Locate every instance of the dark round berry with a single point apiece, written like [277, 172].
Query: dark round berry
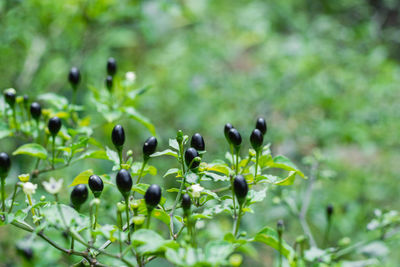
[118, 136]
[227, 128]
[186, 202]
[5, 164]
[36, 110]
[111, 66]
[261, 125]
[198, 142]
[124, 182]
[256, 139]
[96, 185]
[79, 195]
[329, 210]
[190, 154]
[149, 147]
[10, 96]
[235, 137]
[54, 125]
[74, 77]
[240, 187]
[109, 82]
[153, 195]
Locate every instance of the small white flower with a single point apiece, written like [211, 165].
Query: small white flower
[200, 224]
[196, 190]
[24, 177]
[29, 188]
[130, 77]
[53, 186]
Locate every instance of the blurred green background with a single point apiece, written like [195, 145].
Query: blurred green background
[325, 75]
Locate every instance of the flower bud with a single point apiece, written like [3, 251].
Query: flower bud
[179, 136]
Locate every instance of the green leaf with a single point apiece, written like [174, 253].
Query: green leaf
[112, 155]
[217, 252]
[161, 215]
[174, 144]
[140, 188]
[289, 180]
[148, 242]
[32, 149]
[141, 119]
[221, 168]
[257, 196]
[57, 101]
[97, 154]
[82, 178]
[284, 163]
[71, 216]
[168, 152]
[171, 171]
[216, 177]
[270, 237]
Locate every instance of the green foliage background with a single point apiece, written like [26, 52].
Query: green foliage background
[325, 75]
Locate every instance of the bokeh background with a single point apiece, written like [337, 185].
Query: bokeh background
[325, 75]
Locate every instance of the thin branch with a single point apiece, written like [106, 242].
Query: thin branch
[306, 203]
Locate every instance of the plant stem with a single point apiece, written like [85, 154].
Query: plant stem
[171, 215]
[327, 230]
[53, 150]
[38, 131]
[149, 211]
[120, 157]
[13, 197]
[119, 220]
[15, 118]
[3, 194]
[306, 203]
[237, 161]
[127, 218]
[256, 167]
[280, 249]
[32, 209]
[232, 154]
[233, 198]
[141, 171]
[29, 228]
[95, 216]
[237, 221]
